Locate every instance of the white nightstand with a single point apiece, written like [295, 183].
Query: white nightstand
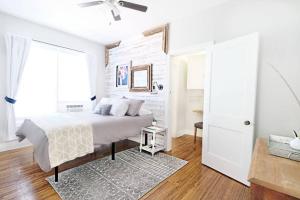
[153, 147]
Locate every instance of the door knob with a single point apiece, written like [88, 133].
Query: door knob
[247, 123]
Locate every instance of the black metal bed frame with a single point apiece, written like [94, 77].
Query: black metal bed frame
[113, 152]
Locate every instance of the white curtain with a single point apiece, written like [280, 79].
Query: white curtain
[91, 61]
[17, 50]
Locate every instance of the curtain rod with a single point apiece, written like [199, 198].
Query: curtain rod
[57, 46]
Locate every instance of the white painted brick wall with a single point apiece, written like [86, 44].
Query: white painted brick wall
[141, 50]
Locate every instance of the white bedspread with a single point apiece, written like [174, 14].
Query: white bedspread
[68, 136]
[106, 129]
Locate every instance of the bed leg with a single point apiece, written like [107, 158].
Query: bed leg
[146, 139]
[56, 174]
[113, 150]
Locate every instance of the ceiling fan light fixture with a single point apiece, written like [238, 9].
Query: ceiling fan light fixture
[112, 5]
[116, 14]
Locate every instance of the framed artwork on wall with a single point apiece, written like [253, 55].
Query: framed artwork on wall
[122, 73]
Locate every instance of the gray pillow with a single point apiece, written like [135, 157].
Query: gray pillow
[103, 109]
[134, 107]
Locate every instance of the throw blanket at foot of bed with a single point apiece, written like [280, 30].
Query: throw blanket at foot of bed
[69, 137]
[70, 142]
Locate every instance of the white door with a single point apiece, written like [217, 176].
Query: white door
[229, 107]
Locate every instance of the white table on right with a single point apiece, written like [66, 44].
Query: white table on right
[153, 147]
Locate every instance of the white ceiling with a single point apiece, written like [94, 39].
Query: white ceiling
[93, 23]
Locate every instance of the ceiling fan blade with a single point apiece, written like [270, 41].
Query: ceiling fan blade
[133, 6]
[88, 4]
[116, 16]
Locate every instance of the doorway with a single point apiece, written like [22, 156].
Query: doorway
[186, 89]
[187, 92]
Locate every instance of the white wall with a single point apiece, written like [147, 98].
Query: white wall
[22, 27]
[195, 72]
[140, 50]
[278, 22]
[178, 100]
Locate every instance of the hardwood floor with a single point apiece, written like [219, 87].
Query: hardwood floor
[21, 178]
[196, 181]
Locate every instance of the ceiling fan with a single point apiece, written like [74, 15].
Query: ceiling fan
[113, 5]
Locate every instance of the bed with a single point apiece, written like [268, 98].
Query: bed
[105, 130]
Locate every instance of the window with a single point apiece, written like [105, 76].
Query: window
[53, 78]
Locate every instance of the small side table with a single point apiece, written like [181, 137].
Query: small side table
[153, 147]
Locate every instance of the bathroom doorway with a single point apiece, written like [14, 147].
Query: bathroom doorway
[186, 85]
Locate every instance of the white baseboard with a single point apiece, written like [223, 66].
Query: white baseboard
[184, 132]
[189, 132]
[14, 144]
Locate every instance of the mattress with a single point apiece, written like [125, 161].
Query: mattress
[106, 129]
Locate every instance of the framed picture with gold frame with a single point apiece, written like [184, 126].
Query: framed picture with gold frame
[141, 78]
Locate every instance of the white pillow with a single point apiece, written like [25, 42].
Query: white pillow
[119, 108]
[97, 108]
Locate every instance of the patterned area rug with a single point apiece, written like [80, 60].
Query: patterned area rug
[130, 176]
